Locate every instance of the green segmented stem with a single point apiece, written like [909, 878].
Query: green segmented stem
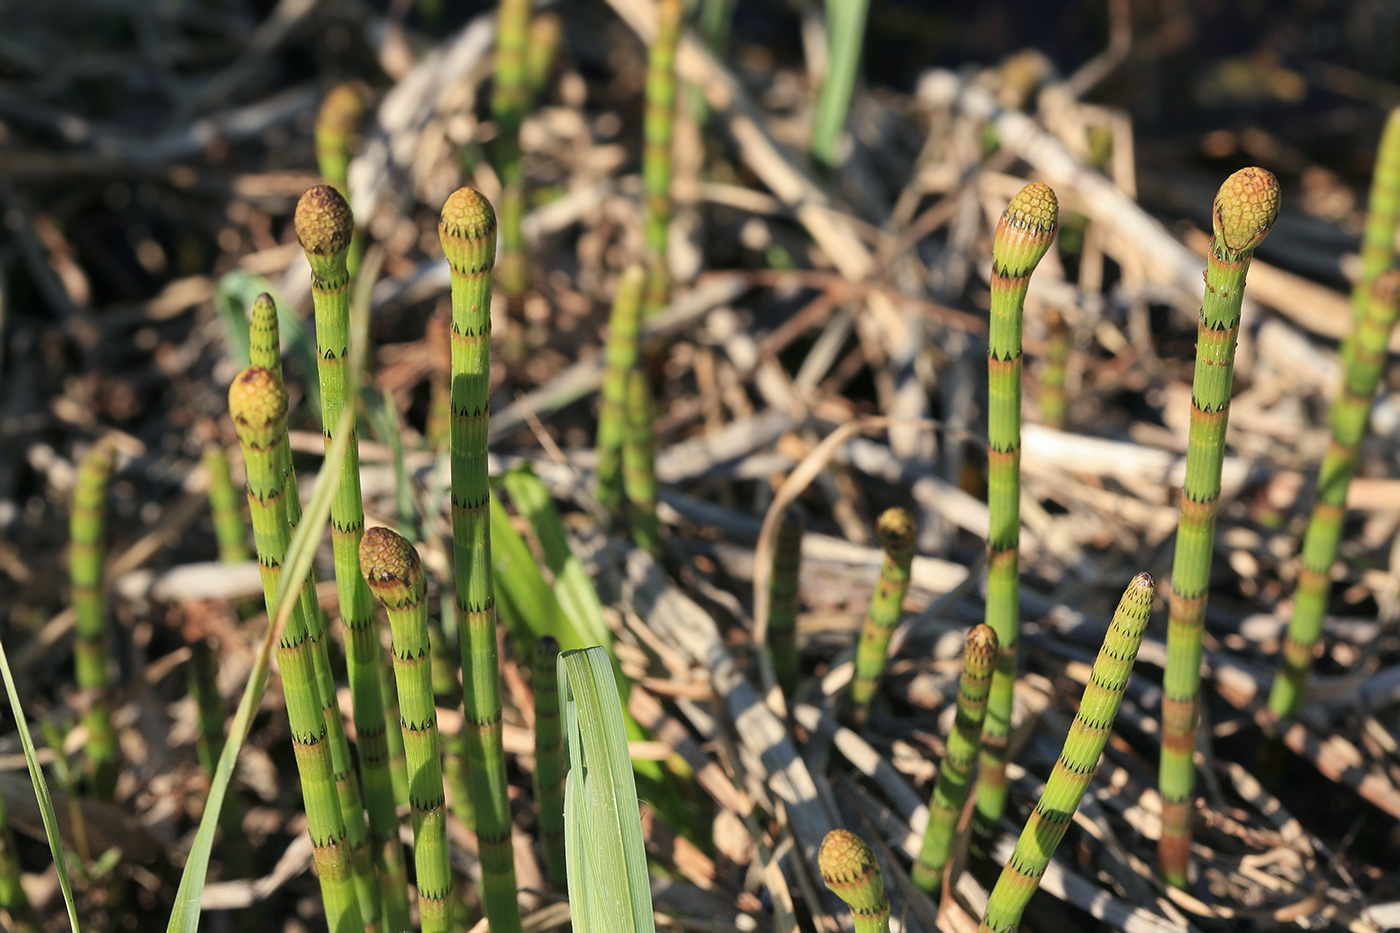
[229, 530]
[1245, 209]
[848, 867]
[324, 226]
[1072, 772]
[1024, 233]
[1382, 214]
[394, 573]
[659, 126]
[468, 233]
[897, 532]
[783, 589]
[639, 464]
[336, 122]
[549, 758]
[258, 404]
[510, 98]
[398, 755]
[845, 25]
[540, 50]
[1052, 377]
[211, 716]
[612, 405]
[265, 351]
[955, 771]
[87, 553]
[1364, 359]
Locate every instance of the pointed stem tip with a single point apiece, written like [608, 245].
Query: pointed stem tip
[1245, 208]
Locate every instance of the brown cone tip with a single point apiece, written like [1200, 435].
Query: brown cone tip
[845, 858]
[323, 221]
[257, 399]
[982, 640]
[1034, 209]
[388, 559]
[896, 529]
[467, 215]
[1246, 208]
[341, 110]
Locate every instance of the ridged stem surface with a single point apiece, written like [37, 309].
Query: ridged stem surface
[1245, 209]
[224, 505]
[639, 464]
[1077, 762]
[898, 535]
[266, 352]
[336, 122]
[621, 359]
[955, 771]
[848, 867]
[394, 572]
[1053, 404]
[1364, 362]
[659, 125]
[468, 233]
[1023, 235]
[783, 588]
[86, 556]
[549, 758]
[258, 404]
[1382, 214]
[510, 97]
[324, 225]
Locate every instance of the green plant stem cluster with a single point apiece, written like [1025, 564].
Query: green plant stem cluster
[1245, 208]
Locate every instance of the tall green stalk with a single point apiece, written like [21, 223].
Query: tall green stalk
[468, 233]
[659, 127]
[211, 716]
[86, 555]
[265, 351]
[1245, 209]
[510, 98]
[898, 534]
[1052, 376]
[1382, 215]
[845, 27]
[229, 529]
[1024, 233]
[848, 867]
[783, 587]
[1077, 763]
[639, 464]
[258, 404]
[955, 771]
[324, 226]
[1364, 359]
[336, 122]
[540, 50]
[621, 360]
[394, 573]
[549, 758]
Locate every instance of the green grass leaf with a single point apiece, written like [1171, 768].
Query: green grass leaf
[41, 790]
[608, 884]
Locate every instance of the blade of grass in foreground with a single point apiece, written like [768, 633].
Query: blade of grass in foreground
[41, 791]
[602, 827]
[184, 916]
